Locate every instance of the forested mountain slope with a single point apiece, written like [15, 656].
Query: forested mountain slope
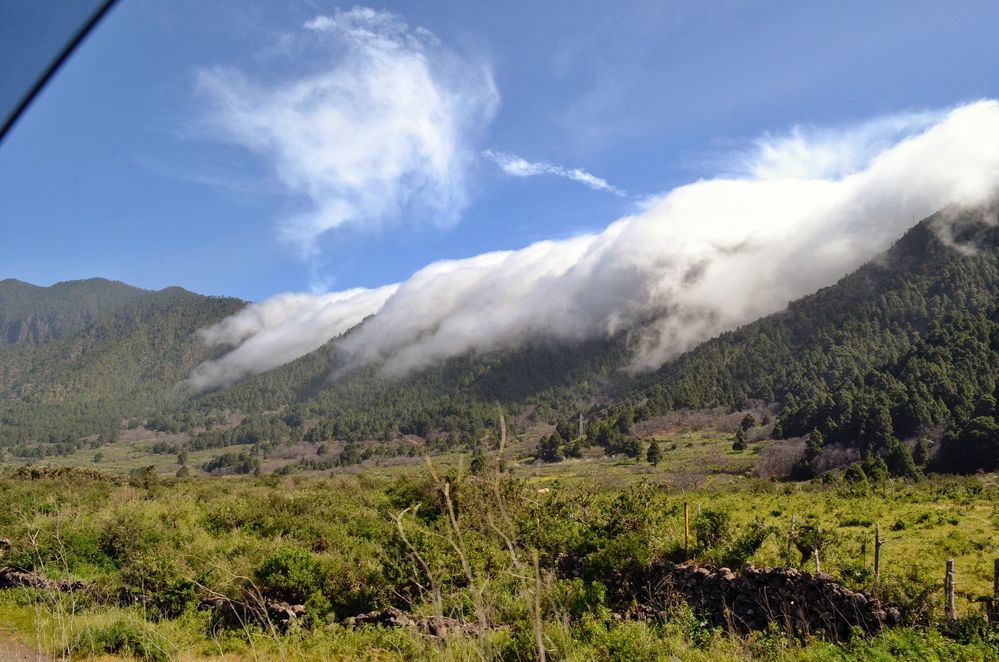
[36, 315]
[96, 352]
[929, 300]
[839, 333]
[946, 381]
[935, 281]
[552, 379]
[906, 346]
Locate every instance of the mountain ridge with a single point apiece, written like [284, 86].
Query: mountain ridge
[80, 356]
[817, 344]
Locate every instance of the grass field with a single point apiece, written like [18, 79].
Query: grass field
[385, 533]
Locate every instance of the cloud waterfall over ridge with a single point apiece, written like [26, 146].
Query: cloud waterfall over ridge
[281, 329]
[701, 259]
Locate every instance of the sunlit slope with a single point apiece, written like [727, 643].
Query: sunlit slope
[96, 352]
[944, 265]
[108, 352]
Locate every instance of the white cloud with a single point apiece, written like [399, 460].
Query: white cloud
[378, 122]
[281, 329]
[698, 260]
[809, 152]
[518, 167]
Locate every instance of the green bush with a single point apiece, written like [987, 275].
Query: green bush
[176, 598]
[127, 535]
[580, 598]
[712, 528]
[292, 575]
[124, 637]
[747, 544]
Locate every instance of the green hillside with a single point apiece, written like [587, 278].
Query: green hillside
[841, 362]
[825, 343]
[458, 396]
[869, 317]
[97, 352]
[904, 347]
[37, 315]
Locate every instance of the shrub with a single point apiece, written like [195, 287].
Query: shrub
[144, 477]
[854, 474]
[292, 575]
[408, 491]
[239, 463]
[176, 598]
[123, 637]
[712, 528]
[479, 463]
[126, 536]
[740, 440]
[618, 559]
[747, 544]
[150, 570]
[580, 598]
[809, 538]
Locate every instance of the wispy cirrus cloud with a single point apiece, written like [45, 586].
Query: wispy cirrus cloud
[519, 167]
[371, 121]
[809, 152]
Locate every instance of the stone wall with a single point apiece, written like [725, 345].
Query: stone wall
[797, 601]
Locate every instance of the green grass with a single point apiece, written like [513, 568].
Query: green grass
[165, 538]
[176, 540]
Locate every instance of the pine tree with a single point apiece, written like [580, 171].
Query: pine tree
[921, 454]
[478, 464]
[740, 440]
[631, 447]
[899, 459]
[813, 447]
[550, 448]
[654, 454]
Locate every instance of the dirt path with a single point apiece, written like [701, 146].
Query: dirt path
[14, 651]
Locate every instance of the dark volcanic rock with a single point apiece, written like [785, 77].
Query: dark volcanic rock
[797, 601]
[14, 578]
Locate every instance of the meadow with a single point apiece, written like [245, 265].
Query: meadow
[472, 563]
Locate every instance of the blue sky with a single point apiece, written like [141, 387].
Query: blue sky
[127, 167]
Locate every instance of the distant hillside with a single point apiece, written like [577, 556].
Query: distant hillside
[822, 362]
[36, 315]
[839, 333]
[904, 344]
[460, 396]
[821, 344]
[79, 357]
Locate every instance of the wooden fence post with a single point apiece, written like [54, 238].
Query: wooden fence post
[877, 553]
[949, 610]
[686, 530]
[994, 612]
[790, 543]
